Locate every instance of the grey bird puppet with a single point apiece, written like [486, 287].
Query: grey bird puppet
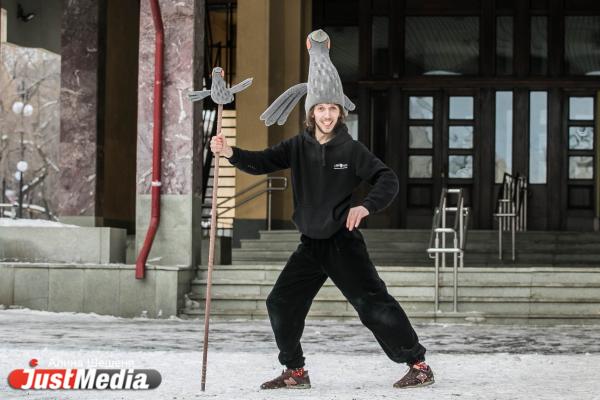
[324, 84]
[219, 92]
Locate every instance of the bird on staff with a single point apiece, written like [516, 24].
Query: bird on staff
[219, 92]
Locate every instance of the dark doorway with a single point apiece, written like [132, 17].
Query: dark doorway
[117, 131]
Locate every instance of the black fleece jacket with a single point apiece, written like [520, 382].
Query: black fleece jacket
[323, 178]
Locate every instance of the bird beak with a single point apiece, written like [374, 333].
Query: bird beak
[308, 45]
[329, 44]
[222, 73]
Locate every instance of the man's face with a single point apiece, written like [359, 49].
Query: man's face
[326, 117]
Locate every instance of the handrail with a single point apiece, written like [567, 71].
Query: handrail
[269, 180]
[436, 218]
[461, 222]
[30, 207]
[511, 209]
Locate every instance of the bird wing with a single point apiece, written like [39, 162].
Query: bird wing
[283, 105]
[240, 86]
[198, 95]
[287, 108]
[348, 104]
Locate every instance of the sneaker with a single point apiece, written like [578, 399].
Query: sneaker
[418, 375]
[290, 379]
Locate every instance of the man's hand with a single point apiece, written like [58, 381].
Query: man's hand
[355, 215]
[218, 144]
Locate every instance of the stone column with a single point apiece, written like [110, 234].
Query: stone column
[288, 66]
[177, 241]
[271, 48]
[252, 58]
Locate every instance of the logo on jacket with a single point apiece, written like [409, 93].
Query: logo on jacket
[340, 166]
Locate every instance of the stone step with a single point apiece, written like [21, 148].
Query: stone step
[516, 306]
[408, 235]
[421, 317]
[424, 276]
[388, 257]
[420, 248]
[495, 295]
[252, 290]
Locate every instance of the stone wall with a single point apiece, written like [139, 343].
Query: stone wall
[108, 289]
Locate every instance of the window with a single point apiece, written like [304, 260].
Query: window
[460, 167]
[582, 52]
[504, 130]
[420, 108]
[344, 50]
[420, 166]
[504, 45]
[581, 108]
[380, 59]
[538, 136]
[442, 46]
[539, 46]
[351, 122]
[420, 137]
[581, 137]
[461, 107]
[460, 137]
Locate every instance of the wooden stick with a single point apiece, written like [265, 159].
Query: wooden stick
[211, 250]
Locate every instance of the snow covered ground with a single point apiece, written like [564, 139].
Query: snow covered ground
[345, 362]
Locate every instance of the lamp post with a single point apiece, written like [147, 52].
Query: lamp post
[21, 109]
[21, 168]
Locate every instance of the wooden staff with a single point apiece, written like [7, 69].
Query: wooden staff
[211, 250]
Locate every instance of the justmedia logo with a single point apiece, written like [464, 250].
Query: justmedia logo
[83, 379]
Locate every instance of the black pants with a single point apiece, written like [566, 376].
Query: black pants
[343, 258]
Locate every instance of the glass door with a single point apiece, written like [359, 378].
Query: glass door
[580, 162]
[441, 137]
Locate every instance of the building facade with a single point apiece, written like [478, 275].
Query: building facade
[447, 93]
[458, 93]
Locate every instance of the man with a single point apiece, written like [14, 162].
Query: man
[326, 166]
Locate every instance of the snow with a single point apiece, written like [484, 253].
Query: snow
[343, 359]
[6, 222]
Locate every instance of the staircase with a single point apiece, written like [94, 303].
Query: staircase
[556, 279]
[226, 179]
[408, 248]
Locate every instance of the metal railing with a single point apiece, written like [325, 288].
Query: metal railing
[269, 189]
[511, 209]
[437, 241]
[30, 208]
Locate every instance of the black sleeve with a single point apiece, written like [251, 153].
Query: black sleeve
[272, 159]
[384, 180]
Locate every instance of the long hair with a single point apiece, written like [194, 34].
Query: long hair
[310, 119]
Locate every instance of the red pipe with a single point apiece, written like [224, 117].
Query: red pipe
[140, 264]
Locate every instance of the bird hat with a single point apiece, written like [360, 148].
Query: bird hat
[324, 84]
